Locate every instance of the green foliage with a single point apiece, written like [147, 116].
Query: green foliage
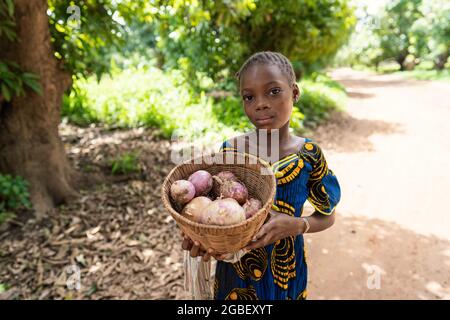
[431, 33]
[151, 98]
[13, 194]
[427, 74]
[6, 216]
[84, 38]
[407, 32]
[7, 24]
[125, 163]
[230, 112]
[142, 97]
[319, 96]
[396, 21]
[12, 77]
[216, 37]
[76, 107]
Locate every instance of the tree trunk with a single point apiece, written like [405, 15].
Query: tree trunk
[30, 145]
[401, 59]
[441, 60]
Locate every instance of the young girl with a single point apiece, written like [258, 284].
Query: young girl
[273, 265]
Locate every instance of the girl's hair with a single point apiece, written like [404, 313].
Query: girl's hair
[269, 57]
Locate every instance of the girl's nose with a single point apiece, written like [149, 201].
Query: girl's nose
[262, 104]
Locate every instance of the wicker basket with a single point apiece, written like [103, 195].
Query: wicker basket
[248, 169]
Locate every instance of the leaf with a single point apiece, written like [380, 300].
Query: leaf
[33, 84]
[93, 289]
[10, 5]
[13, 64]
[5, 92]
[3, 287]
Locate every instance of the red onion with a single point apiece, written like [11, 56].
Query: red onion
[223, 212]
[202, 181]
[251, 207]
[235, 190]
[182, 191]
[195, 208]
[220, 178]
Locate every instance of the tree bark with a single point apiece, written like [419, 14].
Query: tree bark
[441, 60]
[401, 59]
[30, 145]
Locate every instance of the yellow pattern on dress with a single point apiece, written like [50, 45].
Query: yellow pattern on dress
[253, 264]
[283, 262]
[242, 294]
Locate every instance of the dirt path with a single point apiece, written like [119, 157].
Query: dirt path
[391, 151]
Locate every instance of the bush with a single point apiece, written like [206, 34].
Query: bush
[319, 95]
[151, 98]
[144, 97]
[13, 195]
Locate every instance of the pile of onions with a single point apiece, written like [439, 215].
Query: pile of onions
[216, 200]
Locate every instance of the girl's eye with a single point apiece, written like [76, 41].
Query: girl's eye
[275, 91]
[247, 98]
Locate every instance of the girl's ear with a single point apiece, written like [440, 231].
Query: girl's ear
[295, 93]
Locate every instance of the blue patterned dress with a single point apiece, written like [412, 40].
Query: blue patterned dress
[279, 271]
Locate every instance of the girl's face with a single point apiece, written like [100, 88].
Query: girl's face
[267, 96]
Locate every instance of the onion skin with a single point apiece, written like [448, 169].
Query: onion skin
[220, 178]
[202, 181]
[182, 191]
[226, 175]
[223, 212]
[251, 207]
[235, 190]
[195, 208]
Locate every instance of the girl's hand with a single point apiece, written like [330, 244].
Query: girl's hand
[279, 226]
[197, 250]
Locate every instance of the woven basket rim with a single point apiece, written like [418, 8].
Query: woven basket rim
[173, 212]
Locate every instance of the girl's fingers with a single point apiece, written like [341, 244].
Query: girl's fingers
[220, 256]
[259, 243]
[195, 249]
[261, 233]
[207, 255]
[187, 244]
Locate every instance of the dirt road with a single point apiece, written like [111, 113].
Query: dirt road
[391, 153]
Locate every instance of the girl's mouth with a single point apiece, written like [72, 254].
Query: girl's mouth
[264, 120]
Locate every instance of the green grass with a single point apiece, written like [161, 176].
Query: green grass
[6, 216]
[3, 287]
[443, 75]
[422, 71]
[125, 163]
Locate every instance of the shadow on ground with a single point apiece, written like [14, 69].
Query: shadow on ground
[344, 133]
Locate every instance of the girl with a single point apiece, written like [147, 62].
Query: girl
[273, 265]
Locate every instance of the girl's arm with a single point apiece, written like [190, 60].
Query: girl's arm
[317, 222]
[281, 225]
